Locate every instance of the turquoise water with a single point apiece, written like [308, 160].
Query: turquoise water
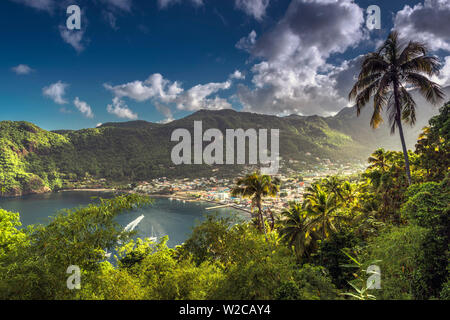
[166, 217]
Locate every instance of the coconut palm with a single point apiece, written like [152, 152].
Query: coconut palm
[297, 229]
[333, 185]
[348, 192]
[256, 186]
[379, 160]
[321, 206]
[388, 75]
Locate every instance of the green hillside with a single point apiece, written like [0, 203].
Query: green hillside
[35, 160]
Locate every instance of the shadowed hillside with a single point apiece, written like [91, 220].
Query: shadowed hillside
[35, 160]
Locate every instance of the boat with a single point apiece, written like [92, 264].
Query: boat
[153, 237]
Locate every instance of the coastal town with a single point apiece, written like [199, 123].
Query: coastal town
[217, 190]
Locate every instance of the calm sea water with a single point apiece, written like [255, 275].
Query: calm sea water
[165, 217]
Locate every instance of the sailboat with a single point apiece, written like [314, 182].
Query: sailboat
[153, 237]
[107, 254]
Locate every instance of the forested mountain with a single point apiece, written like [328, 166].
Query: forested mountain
[358, 128]
[36, 160]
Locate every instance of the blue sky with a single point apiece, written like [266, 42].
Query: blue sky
[159, 60]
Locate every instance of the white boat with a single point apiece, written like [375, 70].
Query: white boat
[132, 225]
[153, 237]
[107, 254]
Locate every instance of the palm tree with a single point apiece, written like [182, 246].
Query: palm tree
[348, 192]
[256, 186]
[334, 185]
[320, 206]
[297, 230]
[388, 74]
[379, 160]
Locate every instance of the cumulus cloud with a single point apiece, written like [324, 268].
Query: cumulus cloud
[427, 22]
[168, 96]
[294, 76]
[444, 75]
[254, 8]
[163, 4]
[56, 92]
[196, 98]
[83, 107]
[121, 110]
[159, 89]
[154, 87]
[345, 75]
[72, 37]
[247, 43]
[22, 69]
[237, 75]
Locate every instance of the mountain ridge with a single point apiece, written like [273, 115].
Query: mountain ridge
[33, 159]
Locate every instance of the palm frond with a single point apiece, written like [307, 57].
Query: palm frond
[412, 50]
[430, 90]
[425, 64]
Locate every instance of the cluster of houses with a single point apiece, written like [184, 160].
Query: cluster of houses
[218, 190]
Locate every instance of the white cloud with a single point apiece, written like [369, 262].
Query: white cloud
[56, 92]
[121, 110]
[45, 5]
[294, 76]
[72, 37]
[159, 89]
[254, 8]
[247, 43]
[163, 4]
[427, 22]
[237, 75]
[98, 124]
[154, 87]
[83, 107]
[444, 75]
[196, 98]
[22, 69]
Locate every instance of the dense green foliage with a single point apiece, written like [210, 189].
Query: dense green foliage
[35, 160]
[322, 248]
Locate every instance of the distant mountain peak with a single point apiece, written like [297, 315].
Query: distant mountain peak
[130, 124]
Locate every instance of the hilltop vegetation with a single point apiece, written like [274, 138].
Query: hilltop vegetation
[19, 141]
[35, 160]
[327, 247]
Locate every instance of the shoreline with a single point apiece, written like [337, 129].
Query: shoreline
[91, 190]
[167, 196]
[180, 198]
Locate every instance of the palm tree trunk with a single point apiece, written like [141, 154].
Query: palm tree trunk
[405, 151]
[260, 215]
[262, 225]
[272, 220]
[398, 119]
